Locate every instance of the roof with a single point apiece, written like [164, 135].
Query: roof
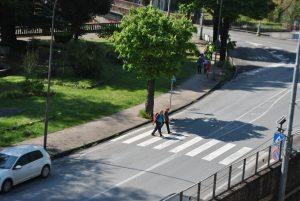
[20, 149]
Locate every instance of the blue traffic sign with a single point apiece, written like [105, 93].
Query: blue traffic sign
[173, 78]
[278, 137]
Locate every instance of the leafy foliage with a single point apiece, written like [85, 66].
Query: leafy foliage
[33, 87]
[85, 58]
[152, 44]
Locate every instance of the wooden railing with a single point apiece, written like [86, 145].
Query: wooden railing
[46, 30]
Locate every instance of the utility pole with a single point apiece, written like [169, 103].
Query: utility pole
[201, 24]
[289, 139]
[220, 15]
[169, 7]
[49, 78]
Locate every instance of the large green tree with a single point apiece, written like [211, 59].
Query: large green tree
[78, 12]
[153, 45]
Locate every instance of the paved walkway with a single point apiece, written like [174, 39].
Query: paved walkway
[95, 131]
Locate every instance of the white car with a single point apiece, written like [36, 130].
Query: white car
[21, 163]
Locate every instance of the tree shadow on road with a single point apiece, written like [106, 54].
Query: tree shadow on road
[227, 131]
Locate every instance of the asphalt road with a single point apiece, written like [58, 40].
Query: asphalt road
[223, 127]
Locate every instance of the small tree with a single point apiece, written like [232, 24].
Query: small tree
[153, 45]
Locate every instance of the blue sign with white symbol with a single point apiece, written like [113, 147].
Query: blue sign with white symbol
[173, 78]
[278, 137]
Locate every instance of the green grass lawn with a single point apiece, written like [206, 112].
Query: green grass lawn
[71, 105]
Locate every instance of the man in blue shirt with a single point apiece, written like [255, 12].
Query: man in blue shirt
[159, 122]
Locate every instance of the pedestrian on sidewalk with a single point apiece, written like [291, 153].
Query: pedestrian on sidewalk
[200, 63]
[167, 120]
[207, 67]
[159, 122]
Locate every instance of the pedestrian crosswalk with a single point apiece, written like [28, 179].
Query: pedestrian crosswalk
[188, 145]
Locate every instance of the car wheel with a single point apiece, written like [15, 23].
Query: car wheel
[6, 186]
[45, 171]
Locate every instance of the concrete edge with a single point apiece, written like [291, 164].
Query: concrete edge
[96, 142]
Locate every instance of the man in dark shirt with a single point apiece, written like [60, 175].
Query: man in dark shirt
[167, 120]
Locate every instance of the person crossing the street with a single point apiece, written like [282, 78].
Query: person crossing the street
[167, 120]
[159, 122]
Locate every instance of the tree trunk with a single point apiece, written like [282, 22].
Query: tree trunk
[224, 38]
[150, 97]
[215, 25]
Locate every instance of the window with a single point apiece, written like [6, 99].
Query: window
[7, 161]
[35, 155]
[23, 160]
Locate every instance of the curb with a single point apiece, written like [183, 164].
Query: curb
[96, 142]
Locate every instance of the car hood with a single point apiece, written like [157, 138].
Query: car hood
[4, 172]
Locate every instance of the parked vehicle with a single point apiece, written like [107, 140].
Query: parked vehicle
[21, 163]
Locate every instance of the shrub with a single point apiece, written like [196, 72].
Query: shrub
[63, 37]
[33, 87]
[30, 63]
[84, 58]
[107, 30]
[144, 114]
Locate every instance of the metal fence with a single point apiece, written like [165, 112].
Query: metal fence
[230, 176]
[45, 30]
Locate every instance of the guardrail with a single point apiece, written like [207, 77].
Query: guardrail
[45, 30]
[230, 176]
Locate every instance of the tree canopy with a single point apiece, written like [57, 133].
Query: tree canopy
[153, 44]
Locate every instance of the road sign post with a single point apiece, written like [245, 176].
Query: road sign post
[171, 91]
[288, 145]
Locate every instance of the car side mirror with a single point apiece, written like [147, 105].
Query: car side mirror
[18, 167]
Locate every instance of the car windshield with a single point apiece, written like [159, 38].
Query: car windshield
[7, 161]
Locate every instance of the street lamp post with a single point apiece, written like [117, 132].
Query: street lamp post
[219, 22]
[289, 138]
[201, 24]
[49, 77]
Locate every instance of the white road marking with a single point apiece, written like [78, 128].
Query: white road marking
[169, 142]
[152, 140]
[138, 137]
[254, 44]
[133, 177]
[219, 152]
[129, 134]
[235, 156]
[202, 148]
[186, 145]
[249, 111]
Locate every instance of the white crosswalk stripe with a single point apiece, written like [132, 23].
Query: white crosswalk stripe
[218, 152]
[128, 134]
[169, 142]
[186, 145]
[152, 140]
[235, 156]
[138, 137]
[202, 148]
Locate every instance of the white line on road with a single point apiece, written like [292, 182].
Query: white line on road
[138, 137]
[202, 148]
[152, 140]
[129, 134]
[235, 156]
[254, 44]
[134, 176]
[169, 142]
[186, 145]
[218, 152]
